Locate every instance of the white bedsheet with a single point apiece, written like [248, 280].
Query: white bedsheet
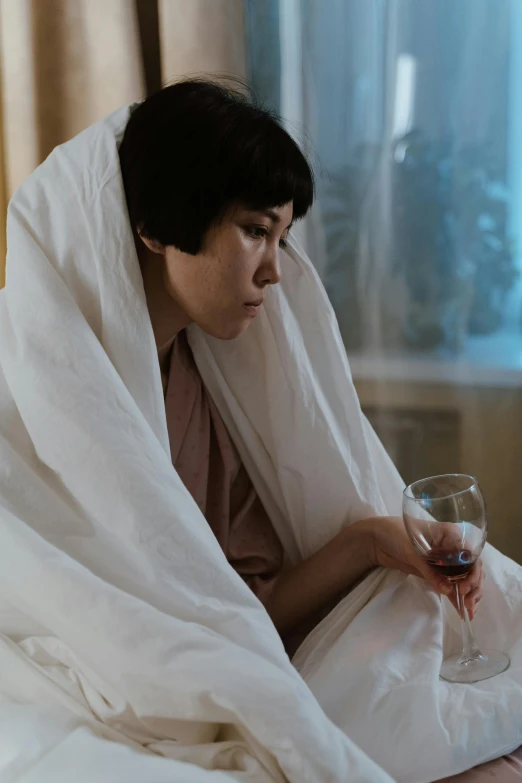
[128, 647]
[124, 634]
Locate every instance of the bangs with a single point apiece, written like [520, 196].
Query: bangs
[271, 171]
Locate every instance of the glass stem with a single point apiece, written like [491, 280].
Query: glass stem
[470, 648]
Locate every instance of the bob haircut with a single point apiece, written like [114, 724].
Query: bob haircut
[194, 149]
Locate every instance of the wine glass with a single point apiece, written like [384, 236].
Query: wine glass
[445, 517]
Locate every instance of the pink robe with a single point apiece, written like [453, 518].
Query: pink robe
[209, 466]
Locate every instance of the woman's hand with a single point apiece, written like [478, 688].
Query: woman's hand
[391, 548]
[310, 587]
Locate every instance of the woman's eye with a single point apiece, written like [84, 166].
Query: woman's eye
[258, 232]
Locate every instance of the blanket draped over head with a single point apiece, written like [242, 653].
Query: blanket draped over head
[129, 648]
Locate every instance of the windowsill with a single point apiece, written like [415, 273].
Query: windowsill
[494, 361]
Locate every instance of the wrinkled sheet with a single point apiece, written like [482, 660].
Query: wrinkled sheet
[125, 637]
[128, 646]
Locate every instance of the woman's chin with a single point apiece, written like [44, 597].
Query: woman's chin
[228, 331]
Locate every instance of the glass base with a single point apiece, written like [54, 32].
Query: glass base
[486, 665]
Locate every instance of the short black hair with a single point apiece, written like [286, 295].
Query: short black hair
[194, 148]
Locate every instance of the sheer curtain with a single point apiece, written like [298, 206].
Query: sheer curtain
[412, 113]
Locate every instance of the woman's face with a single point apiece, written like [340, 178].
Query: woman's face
[222, 288]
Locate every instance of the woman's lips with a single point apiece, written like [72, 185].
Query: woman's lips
[252, 308]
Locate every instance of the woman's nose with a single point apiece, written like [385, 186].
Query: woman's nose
[270, 271]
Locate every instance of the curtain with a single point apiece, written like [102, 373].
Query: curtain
[202, 37]
[2, 194]
[410, 111]
[64, 64]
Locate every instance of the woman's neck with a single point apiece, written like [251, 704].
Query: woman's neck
[167, 317]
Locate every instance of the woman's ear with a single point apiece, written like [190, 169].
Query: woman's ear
[152, 244]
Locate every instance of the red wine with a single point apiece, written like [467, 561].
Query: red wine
[452, 563]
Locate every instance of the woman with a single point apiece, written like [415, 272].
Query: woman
[154, 319]
[211, 203]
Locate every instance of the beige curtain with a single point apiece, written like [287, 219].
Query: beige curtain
[3, 204]
[66, 63]
[202, 36]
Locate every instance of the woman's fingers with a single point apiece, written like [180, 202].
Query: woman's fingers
[474, 595]
[440, 584]
[470, 588]
[472, 580]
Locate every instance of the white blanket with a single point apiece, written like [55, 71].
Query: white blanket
[129, 649]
